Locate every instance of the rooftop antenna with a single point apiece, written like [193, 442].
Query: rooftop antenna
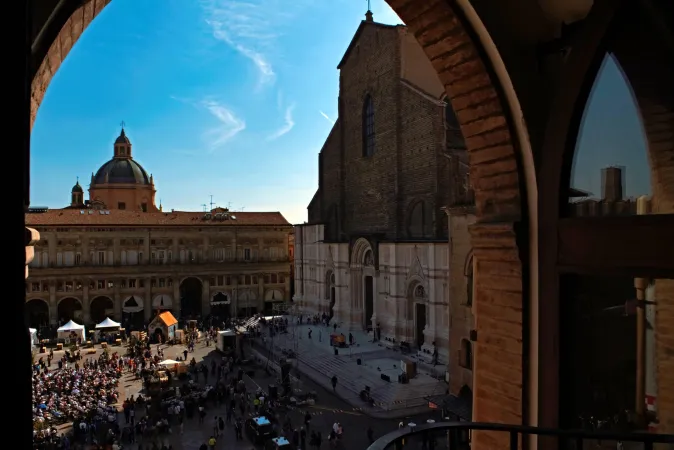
[204, 205]
[229, 205]
[368, 14]
[123, 124]
[212, 202]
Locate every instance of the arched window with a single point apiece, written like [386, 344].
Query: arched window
[466, 356]
[415, 221]
[368, 127]
[469, 281]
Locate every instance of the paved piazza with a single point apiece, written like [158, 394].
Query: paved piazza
[327, 410]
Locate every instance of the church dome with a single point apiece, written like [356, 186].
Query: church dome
[77, 188]
[121, 171]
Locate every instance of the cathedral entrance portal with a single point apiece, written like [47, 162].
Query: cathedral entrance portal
[419, 323]
[369, 302]
[190, 298]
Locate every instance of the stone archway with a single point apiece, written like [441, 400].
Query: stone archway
[100, 308]
[361, 313]
[221, 306]
[69, 308]
[133, 312]
[448, 40]
[191, 290]
[416, 314]
[37, 313]
[330, 292]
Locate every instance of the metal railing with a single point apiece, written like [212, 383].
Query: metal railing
[456, 436]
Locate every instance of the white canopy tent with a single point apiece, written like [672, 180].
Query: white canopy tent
[71, 327]
[169, 362]
[108, 323]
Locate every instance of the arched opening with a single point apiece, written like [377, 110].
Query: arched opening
[616, 180]
[133, 314]
[468, 272]
[506, 203]
[190, 298]
[368, 291]
[68, 309]
[37, 313]
[247, 303]
[221, 307]
[416, 222]
[100, 308]
[330, 292]
[158, 335]
[417, 312]
[466, 354]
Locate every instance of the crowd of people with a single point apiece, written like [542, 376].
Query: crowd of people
[78, 389]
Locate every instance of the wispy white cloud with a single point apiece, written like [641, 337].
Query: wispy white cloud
[287, 126]
[230, 125]
[332, 121]
[252, 27]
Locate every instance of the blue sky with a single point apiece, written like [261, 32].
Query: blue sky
[230, 98]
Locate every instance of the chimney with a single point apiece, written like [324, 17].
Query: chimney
[612, 184]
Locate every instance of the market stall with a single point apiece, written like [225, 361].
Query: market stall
[108, 331]
[173, 365]
[163, 327]
[71, 331]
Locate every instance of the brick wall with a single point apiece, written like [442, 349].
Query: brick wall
[461, 319]
[370, 183]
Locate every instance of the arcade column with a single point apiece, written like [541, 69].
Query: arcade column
[86, 304]
[205, 297]
[147, 308]
[176, 298]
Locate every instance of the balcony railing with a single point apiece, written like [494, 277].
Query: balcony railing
[454, 435]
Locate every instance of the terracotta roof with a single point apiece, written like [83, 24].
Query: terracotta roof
[75, 217]
[168, 318]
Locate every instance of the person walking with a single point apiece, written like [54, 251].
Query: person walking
[334, 383]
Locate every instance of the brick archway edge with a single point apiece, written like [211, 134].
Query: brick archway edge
[495, 173]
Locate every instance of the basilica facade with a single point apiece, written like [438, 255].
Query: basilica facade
[119, 255]
[374, 253]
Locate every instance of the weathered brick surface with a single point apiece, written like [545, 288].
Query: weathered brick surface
[67, 37]
[377, 194]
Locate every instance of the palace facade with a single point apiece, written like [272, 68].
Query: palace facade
[119, 255]
[374, 254]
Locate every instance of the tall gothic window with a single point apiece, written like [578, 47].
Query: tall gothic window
[368, 127]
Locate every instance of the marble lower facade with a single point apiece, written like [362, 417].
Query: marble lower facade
[402, 288]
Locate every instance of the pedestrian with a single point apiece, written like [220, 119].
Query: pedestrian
[334, 383]
[370, 434]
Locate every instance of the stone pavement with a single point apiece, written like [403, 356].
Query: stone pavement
[316, 359]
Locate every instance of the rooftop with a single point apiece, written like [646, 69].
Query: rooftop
[91, 217]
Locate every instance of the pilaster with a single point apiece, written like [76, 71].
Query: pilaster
[148, 311]
[117, 301]
[176, 306]
[53, 305]
[86, 303]
[205, 297]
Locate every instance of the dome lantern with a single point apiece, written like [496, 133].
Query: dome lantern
[77, 194]
[122, 145]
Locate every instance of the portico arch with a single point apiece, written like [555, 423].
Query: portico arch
[469, 66]
[100, 308]
[416, 312]
[191, 289]
[133, 312]
[162, 302]
[221, 303]
[69, 308]
[361, 314]
[37, 313]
